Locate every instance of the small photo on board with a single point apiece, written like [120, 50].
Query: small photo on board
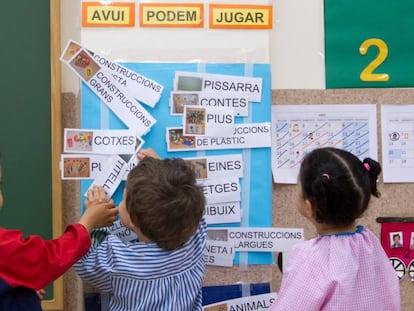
[220, 307]
[70, 50]
[187, 83]
[179, 100]
[200, 167]
[178, 141]
[195, 120]
[396, 239]
[412, 240]
[76, 168]
[217, 234]
[84, 64]
[78, 141]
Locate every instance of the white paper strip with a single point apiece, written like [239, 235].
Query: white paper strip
[101, 82]
[217, 167]
[219, 253]
[220, 190]
[258, 239]
[195, 81]
[222, 213]
[249, 135]
[238, 101]
[255, 302]
[99, 141]
[123, 233]
[208, 121]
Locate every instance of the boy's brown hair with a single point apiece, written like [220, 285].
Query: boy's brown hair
[164, 200]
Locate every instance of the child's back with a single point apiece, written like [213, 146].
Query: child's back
[339, 272]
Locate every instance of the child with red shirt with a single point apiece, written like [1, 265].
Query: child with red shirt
[27, 264]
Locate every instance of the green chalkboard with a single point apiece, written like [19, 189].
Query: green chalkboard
[25, 118]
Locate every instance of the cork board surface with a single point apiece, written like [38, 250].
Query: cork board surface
[396, 199]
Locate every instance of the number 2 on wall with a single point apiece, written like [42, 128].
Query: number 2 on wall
[367, 74]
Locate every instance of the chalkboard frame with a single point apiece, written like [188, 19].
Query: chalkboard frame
[57, 302]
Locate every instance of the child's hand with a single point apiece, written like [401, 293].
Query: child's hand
[41, 293]
[147, 153]
[99, 211]
[95, 195]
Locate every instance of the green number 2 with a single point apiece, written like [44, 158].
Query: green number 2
[367, 74]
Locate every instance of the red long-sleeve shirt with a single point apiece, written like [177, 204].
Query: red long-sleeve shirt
[33, 262]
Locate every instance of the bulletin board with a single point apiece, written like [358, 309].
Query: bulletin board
[299, 77]
[30, 124]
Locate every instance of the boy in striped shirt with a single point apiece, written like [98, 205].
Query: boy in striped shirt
[164, 269]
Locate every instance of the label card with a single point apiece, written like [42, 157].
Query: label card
[123, 233]
[99, 141]
[258, 239]
[208, 121]
[255, 302]
[236, 100]
[101, 82]
[216, 167]
[220, 190]
[219, 253]
[249, 135]
[134, 84]
[222, 213]
[218, 83]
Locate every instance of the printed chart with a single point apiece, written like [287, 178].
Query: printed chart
[298, 129]
[398, 143]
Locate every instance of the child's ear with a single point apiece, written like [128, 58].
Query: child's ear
[310, 210]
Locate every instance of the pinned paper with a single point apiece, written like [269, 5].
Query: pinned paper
[223, 213]
[238, 101]
[101, 82]
[133, 83]
[216, 167]
[220, 190]
[255, 302]
[208, 121]
[249, 135]
[111, 176]
[87, 166]
[258, 239]
[217, 83]
[219, 253]
[123, 233]
[100, 141]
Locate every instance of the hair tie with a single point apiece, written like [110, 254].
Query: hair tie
[326, 176]
[367, 167]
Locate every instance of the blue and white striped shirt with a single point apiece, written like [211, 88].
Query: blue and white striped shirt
[143, 276]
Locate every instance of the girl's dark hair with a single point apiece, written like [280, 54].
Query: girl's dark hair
[338, 184]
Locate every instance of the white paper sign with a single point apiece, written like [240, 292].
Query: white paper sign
[136, 85]
[87, 166]
[220, 190]
[258, 239]
[195, 81]
[217, 167]
[123, 233]
[99, 141]
[255, 302]
[397, 143]
[81, 166]
[238, 101]
[219, 253]
[222, 213]
[112, 175]
[248, 135]
[101, 82]
[208, 121]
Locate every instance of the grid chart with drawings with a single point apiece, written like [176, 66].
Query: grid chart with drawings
[398, 142]
[296, 133]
